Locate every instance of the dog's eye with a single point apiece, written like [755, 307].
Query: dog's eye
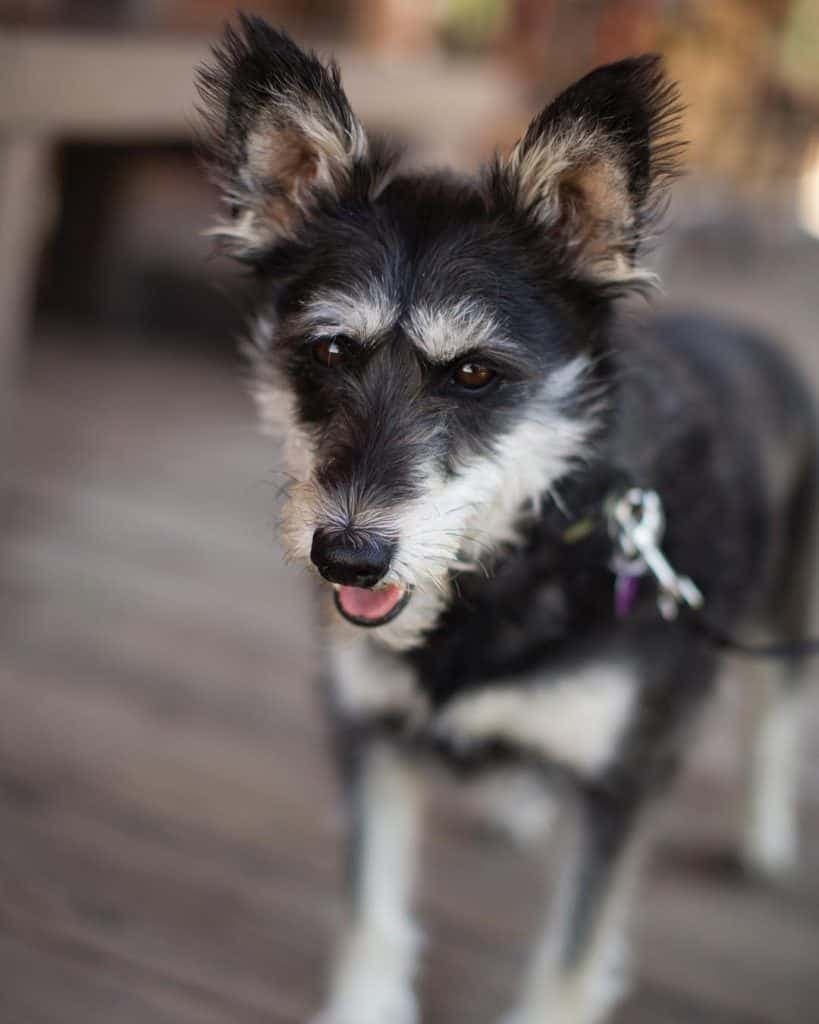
[330, 351]
[473, 376]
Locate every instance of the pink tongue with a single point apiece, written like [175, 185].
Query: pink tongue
[369, 604]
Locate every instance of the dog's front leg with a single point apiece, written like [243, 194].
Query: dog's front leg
[578, 971]
[373, 978]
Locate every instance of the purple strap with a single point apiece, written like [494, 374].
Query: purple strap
[625, 594]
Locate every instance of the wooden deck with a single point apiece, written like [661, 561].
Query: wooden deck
[170, 842]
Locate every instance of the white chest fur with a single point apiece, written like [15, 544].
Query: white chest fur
[371, 680]
[577, 719]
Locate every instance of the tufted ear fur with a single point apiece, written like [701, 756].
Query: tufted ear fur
[279, 134]
[593, 167]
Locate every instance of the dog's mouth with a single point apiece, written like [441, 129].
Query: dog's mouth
[365, 607]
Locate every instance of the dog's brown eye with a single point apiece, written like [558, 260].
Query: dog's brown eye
[329, 351]
[473, 376]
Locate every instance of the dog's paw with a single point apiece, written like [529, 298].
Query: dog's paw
[771, 849]
[528, 1016]
[559, 1011]
[378, 1004]
[373, 979]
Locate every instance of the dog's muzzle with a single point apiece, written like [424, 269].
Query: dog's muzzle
[356, 564]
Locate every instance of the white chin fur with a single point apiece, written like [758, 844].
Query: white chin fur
[459, 523]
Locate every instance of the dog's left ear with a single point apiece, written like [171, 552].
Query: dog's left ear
[593, 166]
[280, 134]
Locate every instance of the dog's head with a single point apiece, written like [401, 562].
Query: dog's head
[429, 343]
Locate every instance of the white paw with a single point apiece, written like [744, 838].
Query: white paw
[373, 979]
[772, 855]
[570, 1008]
[542, 1016]
[377, 1004]
[558, 1014]
[771, 827]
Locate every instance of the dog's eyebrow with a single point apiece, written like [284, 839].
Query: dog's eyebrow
[446, 330]
[363, 314]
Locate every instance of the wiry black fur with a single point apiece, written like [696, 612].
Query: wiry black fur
[632, 103]
[251, 69]
[634, 113]
[258, 71]
[696, 443]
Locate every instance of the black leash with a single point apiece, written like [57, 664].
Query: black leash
[723, 639]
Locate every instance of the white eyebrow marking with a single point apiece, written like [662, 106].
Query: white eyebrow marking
[443, 331]
[363, 314]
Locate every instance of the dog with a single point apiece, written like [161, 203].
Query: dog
[471, 424]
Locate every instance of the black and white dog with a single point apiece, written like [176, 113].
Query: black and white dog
[463, 410]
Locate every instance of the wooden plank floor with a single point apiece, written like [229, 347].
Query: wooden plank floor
[169, 837]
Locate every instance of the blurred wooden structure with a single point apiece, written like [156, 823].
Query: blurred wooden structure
[57, 87]
[411, 68]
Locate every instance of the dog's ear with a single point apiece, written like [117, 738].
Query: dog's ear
[592, 169]
[279, 133]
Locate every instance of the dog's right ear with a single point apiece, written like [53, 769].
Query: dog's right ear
[279, 133]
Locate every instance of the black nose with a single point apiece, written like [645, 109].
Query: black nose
[354, 559]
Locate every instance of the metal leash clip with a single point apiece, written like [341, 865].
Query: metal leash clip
[637, 525]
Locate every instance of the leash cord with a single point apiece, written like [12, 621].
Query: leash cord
[808, 647]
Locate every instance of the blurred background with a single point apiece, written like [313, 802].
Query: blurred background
[171, 843]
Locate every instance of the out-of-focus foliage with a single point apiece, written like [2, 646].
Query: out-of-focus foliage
[800, 46]
[473, 24]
